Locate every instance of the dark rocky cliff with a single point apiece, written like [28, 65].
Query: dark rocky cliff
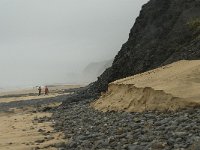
[164, 32]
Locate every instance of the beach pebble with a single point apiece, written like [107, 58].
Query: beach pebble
[91, 129]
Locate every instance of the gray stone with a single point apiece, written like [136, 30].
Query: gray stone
[61, 144]
[135, 147]
[180, 134]
[195, 146]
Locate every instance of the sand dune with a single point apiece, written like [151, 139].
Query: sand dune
[167, 88]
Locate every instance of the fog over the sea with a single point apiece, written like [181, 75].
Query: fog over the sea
[42, 41]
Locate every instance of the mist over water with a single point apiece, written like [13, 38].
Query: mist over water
[52, 41]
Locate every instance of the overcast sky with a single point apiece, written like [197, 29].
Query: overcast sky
[41, 41]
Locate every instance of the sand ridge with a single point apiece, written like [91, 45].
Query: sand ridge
[167, 88]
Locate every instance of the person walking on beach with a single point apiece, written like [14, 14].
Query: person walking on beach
[39, 90]
[46, 91]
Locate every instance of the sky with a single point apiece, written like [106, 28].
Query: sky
[42, 41]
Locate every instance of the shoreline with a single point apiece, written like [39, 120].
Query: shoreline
[33, 89]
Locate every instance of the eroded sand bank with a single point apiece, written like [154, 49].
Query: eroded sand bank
[168, 88]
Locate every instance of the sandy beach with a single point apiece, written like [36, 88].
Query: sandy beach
[21, 130]
[32, 93]
[28, 127]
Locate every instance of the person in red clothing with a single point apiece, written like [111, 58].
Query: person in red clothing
[46, 91]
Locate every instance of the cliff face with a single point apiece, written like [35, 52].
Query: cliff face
[164, 32]
[161, 34]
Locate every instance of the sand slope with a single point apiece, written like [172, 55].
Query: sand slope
[170, 87]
